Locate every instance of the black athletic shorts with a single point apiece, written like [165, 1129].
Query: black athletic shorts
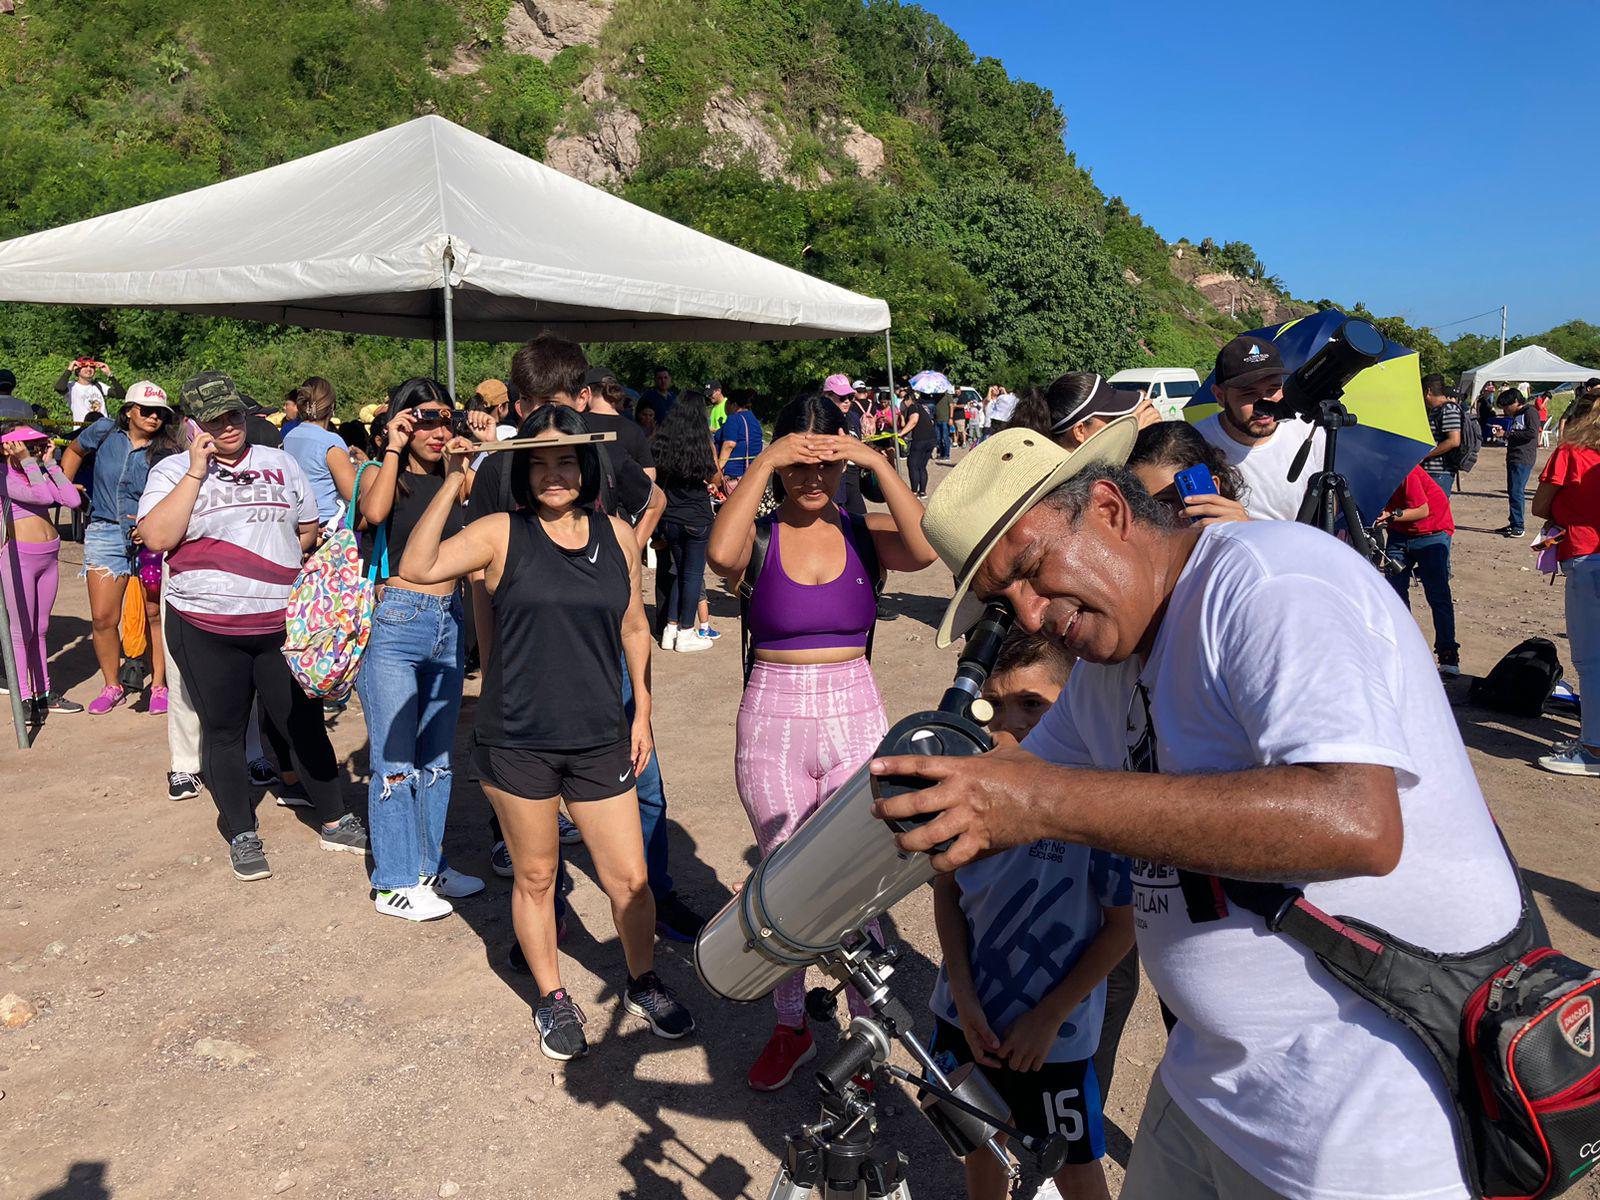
[1059, 1098]
[597, 773]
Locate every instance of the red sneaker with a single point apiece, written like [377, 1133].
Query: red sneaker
[785, 1051]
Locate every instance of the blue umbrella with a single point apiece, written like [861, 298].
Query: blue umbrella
[1392, 433]
[931, 383]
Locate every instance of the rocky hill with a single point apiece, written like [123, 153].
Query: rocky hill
[859, 140]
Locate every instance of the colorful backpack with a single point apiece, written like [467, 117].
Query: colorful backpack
[330, 610]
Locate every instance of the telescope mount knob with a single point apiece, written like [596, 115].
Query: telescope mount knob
[981, 711]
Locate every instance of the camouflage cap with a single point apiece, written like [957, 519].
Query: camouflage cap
[209, 395]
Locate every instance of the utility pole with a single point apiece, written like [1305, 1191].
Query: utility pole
[1502, 331]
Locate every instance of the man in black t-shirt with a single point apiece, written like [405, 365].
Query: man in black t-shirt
[553, 370]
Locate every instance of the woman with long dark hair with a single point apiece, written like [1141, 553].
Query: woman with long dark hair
[564, 583]
[684, 466]
[916, 427]
[811, 713]
[1081, 403]
[411, 672]
[1167, 447]
[124, 450]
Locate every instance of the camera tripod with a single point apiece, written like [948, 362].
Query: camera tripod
[838, 1156]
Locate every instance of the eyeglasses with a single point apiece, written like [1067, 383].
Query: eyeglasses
[431, 418]
[244, 477]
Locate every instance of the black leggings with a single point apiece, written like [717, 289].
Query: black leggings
[223, 675]
[917, 465]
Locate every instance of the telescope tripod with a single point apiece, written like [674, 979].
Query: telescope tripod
[838, 1157]
[1328, 499]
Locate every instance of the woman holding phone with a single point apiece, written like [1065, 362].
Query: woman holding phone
[563, 580]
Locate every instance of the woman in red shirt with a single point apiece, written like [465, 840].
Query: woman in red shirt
[1420, 527]
[1569, 498]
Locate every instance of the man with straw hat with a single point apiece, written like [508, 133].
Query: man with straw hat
[1289, 726]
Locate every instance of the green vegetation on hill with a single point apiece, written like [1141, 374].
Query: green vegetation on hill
[1000, 259]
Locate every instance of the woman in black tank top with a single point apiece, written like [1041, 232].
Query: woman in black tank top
[564, 582]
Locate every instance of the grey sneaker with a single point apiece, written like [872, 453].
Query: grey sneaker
[653, 1000]
[249, 859]
[559, 1023]
[349, 834]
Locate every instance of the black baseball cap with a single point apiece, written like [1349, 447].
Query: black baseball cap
[1246, 359]
[595, 376]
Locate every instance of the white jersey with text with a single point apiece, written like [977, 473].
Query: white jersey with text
[1281, 646]
[233, 571]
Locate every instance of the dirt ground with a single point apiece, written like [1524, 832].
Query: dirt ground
[200, 1037]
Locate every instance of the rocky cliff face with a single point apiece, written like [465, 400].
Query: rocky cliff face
[544, 28]
[1229, 294]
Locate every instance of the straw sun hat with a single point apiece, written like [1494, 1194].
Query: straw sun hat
[991, 489]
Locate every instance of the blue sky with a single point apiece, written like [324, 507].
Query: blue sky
[1430, 159]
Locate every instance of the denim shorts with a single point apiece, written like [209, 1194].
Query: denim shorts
[106, 549]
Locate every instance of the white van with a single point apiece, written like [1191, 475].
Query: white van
[1169, 388]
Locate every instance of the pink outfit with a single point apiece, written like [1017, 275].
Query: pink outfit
[28, 570]
[803, 730]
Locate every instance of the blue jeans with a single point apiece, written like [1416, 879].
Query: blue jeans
[107, 549]
[687, 546]
[1446, 481]
[410, 688]
[652, 817]
[1428, 554]
[1517, 491]
[941, 439]
[1583, 636]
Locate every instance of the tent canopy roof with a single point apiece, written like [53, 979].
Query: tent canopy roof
[354, 237]
[1531, 364]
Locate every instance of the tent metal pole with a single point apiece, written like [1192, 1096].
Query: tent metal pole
[15, 672]
[449, 324]
[1502, 331]
[888, 359]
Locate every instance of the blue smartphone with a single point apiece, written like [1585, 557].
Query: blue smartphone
[1196, 481]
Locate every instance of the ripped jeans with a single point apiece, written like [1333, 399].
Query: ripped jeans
[410, 688]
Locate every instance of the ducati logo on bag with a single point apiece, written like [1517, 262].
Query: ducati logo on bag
[1577, 1025]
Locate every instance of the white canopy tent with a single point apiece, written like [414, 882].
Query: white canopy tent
[359, 238]
[1531, 364]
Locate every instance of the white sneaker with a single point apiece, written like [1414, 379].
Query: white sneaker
[669, 637]
[412, 904]
[452, 883]
[689, 642]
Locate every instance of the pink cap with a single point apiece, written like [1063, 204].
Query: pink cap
[838, 385]
[24, 434]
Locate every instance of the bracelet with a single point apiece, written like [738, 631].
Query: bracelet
[192, 475]
[388, 450]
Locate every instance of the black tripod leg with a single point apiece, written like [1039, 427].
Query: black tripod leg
[1359, 539]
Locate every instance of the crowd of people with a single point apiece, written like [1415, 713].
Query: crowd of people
[1187, 633]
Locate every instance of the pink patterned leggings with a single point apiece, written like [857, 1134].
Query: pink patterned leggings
[803, 730]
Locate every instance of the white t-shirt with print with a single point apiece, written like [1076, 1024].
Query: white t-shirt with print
[85, 398]
[239, 559]
[1280, 646]
[1266, 467]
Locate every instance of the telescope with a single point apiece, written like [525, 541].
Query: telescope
[842, 868]
[808, 903]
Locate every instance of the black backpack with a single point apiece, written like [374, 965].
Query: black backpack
[866, 549]
[1522, 681]
[1466, 454]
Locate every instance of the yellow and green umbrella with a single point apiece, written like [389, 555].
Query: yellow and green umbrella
[1391, 434]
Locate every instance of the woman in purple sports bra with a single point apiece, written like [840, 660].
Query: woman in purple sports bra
[811, 712]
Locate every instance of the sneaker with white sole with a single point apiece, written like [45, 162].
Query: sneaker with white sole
[1575, 759]
[181, 785]
[453, 884]
[262, 772]
[690, 642]
[349, 835]
[566, 831]
[669, 637]
[653, 1000]
[411, 904]
[500, 861]
[248, 857]
[560, 1024]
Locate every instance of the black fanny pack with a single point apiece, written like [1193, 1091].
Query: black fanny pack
[1512, 1027]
